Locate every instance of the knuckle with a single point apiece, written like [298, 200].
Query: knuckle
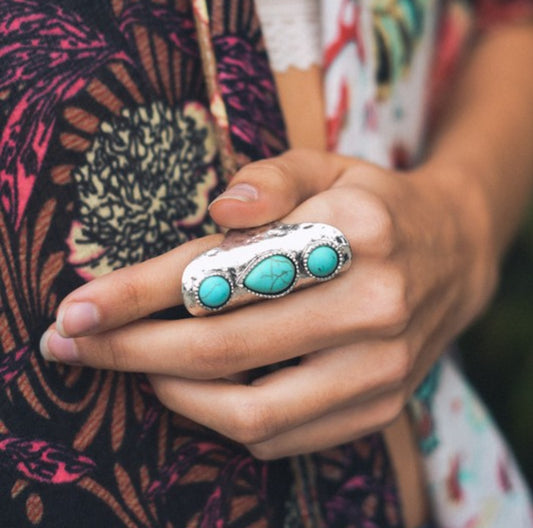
[392, 408]
[394, 307]
[164, 395]
[116, 353]
[380, 227]
[130, 292]
[400, 363]
[264, 451]
[209, 361]
[324, 207]
[252, 423]
[283, 177]
[279, 172]
[218, 354]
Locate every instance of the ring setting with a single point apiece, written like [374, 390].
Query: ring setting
[263, 263]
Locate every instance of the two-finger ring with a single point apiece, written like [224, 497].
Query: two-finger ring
[263, 263]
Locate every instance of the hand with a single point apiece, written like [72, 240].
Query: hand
[365, 339]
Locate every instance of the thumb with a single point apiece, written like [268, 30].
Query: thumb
[268, 190]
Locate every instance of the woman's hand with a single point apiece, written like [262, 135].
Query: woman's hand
[422, 270]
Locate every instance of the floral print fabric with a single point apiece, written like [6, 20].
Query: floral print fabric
[473, 479]
[108, 156]
[120, 120]
[123, 218]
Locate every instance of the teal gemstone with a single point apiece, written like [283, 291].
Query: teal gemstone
[322, 261]
[271, 276]
[214, 291]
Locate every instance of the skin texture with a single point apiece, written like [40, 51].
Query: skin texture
[427, 246]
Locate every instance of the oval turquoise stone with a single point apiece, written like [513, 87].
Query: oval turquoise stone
[271, 276]
[322, 261]
[214, 291]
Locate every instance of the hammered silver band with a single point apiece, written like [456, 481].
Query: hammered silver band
[263, 263]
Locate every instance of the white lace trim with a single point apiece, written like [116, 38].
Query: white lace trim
[292, 32]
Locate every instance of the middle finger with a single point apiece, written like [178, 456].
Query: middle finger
[250, 337]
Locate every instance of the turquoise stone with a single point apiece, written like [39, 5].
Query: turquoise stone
[322, 261]
[214, 291]
[271, 276]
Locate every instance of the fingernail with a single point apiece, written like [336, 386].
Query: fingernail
[57, 348]
[43, 346]
[76, 318]
[243, 192]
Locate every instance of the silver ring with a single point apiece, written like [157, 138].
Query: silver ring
[263, 263]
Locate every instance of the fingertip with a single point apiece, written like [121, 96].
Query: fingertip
[234, 214]
[59, 321]
[242, 205]
[56, 348]
[77, 318]
[240, 192]
[43, 346]
[252, 203]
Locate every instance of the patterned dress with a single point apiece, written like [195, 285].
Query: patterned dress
[119, 121]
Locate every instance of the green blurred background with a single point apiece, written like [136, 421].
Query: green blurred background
[498, 350]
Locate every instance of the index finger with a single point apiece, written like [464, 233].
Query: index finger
[121, 296]
[140, 290]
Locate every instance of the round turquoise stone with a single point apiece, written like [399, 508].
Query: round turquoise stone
[322, 261]
[272, 276]
[214, 291]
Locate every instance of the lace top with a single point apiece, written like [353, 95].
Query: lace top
[292, 33]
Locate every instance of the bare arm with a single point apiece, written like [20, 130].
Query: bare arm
[486, 131]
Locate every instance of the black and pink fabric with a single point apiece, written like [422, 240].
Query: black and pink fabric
[111, 148]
